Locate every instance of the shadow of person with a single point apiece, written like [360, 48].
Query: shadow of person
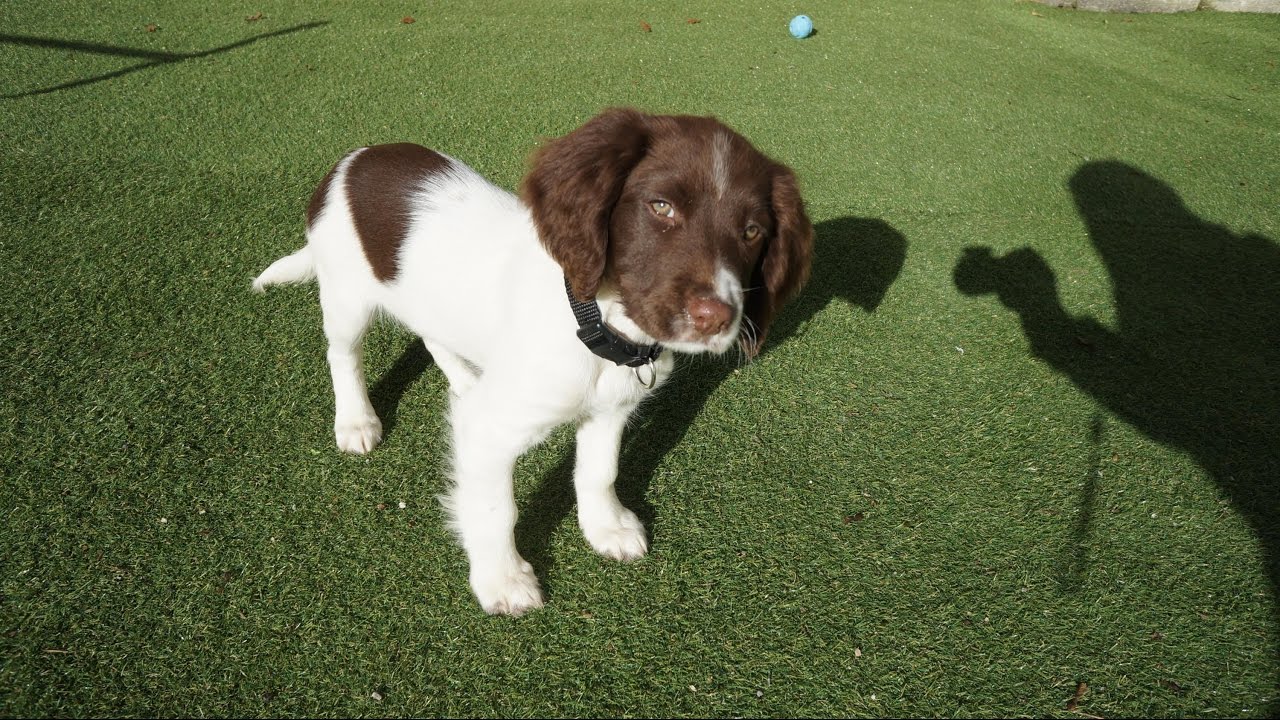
[1194, 360]
[856, 260]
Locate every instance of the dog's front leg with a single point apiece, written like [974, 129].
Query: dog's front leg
[489, 435]
[612, 530]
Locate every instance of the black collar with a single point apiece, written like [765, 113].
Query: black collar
[604, 340]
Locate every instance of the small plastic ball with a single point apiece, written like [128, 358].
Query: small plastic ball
[801, 27]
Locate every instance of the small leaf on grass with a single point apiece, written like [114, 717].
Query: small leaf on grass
[1081, 690]
[254, 17]
[646, 26]
[856, 517]
[1175, 687]
[407, 20]
[693, 21]
[152, 27]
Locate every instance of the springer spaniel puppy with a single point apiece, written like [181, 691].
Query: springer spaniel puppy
[635, 236]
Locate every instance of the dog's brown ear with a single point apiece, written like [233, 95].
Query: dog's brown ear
[784, 266]
[572, 186]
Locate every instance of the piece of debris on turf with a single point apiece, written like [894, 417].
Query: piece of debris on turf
[407, 20]
[254, 17]
[646, 27]
[1074, 702]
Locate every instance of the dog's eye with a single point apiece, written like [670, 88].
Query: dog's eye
[662, 208]
[752, 233]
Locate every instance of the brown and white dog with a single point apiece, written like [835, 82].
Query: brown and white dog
[670, 233]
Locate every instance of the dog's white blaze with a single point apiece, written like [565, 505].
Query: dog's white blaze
[720, 163]
[729, 291]
[729, 288]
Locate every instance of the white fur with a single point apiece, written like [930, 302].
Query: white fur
[490, 305]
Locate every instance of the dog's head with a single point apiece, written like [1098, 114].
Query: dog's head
[693, 227]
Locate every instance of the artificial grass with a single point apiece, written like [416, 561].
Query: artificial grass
[947, 488]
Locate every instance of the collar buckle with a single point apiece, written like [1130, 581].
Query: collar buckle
[607, 343]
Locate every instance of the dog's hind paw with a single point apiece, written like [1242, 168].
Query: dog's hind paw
[508, 593]
[619, 536]
[359, 435]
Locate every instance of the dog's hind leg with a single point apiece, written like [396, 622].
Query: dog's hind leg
[458, 371]
[356, 426]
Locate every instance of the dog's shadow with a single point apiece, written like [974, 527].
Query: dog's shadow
[856, 260]
[389, 389]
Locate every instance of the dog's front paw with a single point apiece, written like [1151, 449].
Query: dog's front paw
[358, 435]
[617, 534]
[514, 591]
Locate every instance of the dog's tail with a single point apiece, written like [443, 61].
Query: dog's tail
[296, 268]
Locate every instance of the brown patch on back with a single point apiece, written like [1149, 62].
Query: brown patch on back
[380, 182]
[319, 198]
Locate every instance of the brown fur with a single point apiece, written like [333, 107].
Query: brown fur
[572, 188]
[590, 193]
[319, 198]
[379, 182]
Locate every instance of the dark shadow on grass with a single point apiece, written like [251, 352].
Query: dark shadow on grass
[1082, 532]
[1195, 361]
[153, 58]
[856, 261]
[390, 387]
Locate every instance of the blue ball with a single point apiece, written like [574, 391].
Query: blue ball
[801, 27]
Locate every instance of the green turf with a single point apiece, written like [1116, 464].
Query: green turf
[956, 484]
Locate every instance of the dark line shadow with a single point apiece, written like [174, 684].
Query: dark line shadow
[1195, 361]
[1077, 560]
[856, 261]
[157, 58]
